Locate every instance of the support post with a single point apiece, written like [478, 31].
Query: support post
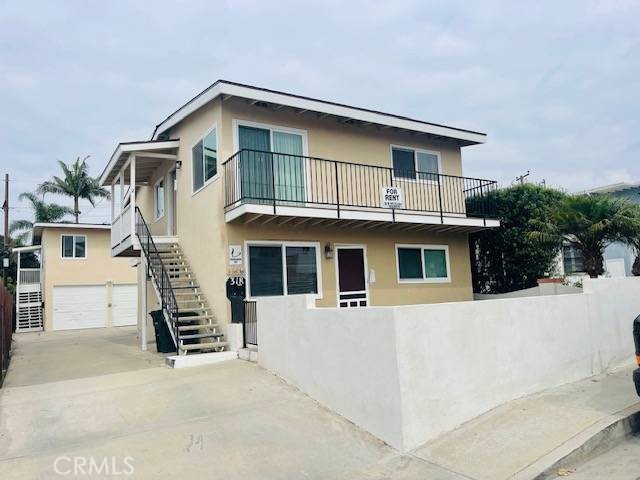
[7, 240]
[132, 207]
[142, 273]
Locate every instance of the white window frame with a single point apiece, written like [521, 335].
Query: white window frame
[415, 162]
[283, 245]
[73, 235]
[424, 278]
[236, 123]
[219, 165]
[162, 180]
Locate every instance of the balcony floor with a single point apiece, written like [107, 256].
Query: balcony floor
[354, 217]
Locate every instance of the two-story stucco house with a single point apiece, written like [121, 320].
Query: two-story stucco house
[298, 196]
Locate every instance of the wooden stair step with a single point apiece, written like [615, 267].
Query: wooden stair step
[193, 318]
[193, 336]
[186, 328]
[203, 346]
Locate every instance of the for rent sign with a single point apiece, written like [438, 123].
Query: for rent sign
[391, 197]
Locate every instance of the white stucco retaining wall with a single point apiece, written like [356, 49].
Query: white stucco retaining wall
[410, 373]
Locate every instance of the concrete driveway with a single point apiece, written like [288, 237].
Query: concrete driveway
[79, 398]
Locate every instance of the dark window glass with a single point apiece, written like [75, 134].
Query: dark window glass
[196, 159]
[210, 156]
[435, 263]
[67, 246]
[265, 271]
[410, 263]
[404, 165]
[301, 270]
[80, 246]
[573, 260]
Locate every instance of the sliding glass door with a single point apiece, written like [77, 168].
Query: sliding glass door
[284, 168]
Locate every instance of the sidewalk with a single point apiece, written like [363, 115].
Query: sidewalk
[502, 443]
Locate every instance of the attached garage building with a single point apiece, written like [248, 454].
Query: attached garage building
[83, 285]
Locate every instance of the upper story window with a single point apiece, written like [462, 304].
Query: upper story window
[415, 164]
[74, 246]
[158, 198]
[423, 263]
[205, 159]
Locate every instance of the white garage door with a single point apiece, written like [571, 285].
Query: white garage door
[125, 305]
[79, 306]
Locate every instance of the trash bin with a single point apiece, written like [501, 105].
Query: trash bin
[164, 341]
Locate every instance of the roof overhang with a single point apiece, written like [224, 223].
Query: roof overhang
[616, 187]
[30, 248]
[156, 150]
[345, 113]
[39, 227]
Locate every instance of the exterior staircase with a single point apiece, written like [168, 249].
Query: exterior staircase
[185, 309]
[196, 327]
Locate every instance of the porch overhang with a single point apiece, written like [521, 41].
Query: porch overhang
[150, 155]
[355, 218]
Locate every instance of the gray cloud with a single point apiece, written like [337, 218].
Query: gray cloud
[554, 84]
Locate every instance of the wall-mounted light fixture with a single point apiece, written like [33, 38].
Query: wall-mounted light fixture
[328, 251]
[178, 164]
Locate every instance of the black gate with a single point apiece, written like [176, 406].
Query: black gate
[250, 323]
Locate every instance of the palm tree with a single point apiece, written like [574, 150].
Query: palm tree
[76, 183]
[591, 223]
[42, 212]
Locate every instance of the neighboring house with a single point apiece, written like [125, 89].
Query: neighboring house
[297, 196]
[78, 285]
[618, 257]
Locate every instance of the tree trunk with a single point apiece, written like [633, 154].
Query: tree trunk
[76, 209]
[635, 269]
[593, 263]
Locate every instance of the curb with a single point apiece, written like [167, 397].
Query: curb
[597, 438]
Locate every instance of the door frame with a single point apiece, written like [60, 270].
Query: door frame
[236, 123]
[352, 246]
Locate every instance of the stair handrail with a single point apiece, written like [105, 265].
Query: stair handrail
[156, 267]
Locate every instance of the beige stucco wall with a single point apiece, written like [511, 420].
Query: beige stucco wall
[99, 268]
[380, 257]
[204, 235]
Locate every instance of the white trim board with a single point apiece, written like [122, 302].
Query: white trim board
[354, 214]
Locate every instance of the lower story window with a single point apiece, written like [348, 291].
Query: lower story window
[283, 269]
[423, 263]
[572, 259]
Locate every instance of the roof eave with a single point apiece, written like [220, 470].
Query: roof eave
[222, 87]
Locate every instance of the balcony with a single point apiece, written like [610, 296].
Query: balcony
[261, 186]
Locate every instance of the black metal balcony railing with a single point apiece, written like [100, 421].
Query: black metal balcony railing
[278, 179]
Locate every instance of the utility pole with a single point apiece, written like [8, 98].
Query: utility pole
[5, 250]
[522, 177]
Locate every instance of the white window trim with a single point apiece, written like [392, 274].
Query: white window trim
[155, 198]
[74, 235]
[424, 279]
[208, 182]
[283, 245]
[415, 162]
[236, 123]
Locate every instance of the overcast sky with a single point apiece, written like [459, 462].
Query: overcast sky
[554, 84]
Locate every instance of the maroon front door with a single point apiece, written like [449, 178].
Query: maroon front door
[352, 282]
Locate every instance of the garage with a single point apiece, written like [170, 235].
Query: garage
[124, 305]
[87, 306]
[79, 306]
